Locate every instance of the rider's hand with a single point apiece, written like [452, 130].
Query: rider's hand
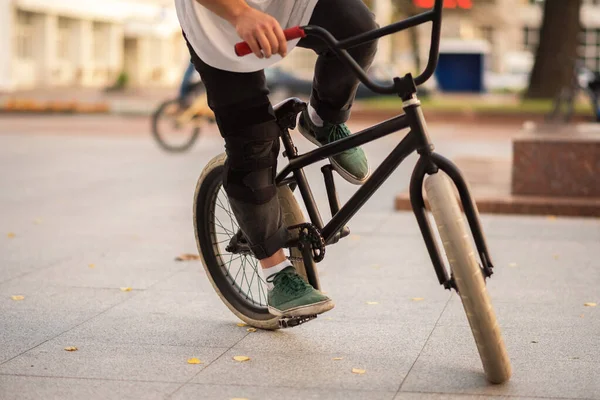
[261, 32]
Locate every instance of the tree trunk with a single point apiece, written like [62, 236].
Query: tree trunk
[558, 47]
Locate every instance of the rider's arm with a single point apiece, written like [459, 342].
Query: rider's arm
[259, 30]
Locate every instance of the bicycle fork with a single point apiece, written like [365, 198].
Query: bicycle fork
[430, 163]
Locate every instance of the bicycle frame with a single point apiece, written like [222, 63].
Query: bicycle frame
[417, 140]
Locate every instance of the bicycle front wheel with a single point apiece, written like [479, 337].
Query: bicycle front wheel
[169, 134]
[236, 277]
[468, 277]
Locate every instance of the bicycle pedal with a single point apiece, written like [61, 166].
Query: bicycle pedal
[290, 322]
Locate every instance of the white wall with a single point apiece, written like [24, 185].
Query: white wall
[6, 48]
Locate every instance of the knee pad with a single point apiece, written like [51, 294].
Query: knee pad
[251, 163]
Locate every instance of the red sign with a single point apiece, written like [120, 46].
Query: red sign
[466, 4]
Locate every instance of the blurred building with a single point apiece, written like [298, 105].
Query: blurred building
[89, 43]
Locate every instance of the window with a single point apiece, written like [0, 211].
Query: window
[63, 45]
[100, 34]
[487, 33]
[24, 34]
[531, 38]
[589, 48]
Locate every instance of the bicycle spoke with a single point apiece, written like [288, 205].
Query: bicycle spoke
[252, 280]
[261, 288]
[231, 259]
[228, 210]
[221, 233]
[221, 225]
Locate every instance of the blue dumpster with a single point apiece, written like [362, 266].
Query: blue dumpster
[461, 66]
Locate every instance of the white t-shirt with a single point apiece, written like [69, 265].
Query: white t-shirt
[213, 38]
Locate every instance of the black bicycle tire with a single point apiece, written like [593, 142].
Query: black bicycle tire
[156, 134]
[207, 189]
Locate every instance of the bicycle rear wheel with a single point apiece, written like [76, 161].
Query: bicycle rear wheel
[167, 132]
[468, 277]
[236, 278]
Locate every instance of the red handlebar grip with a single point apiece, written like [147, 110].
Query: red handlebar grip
[242, 48]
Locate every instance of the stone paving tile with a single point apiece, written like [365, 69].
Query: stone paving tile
[322, 336]
[449, 363]
[111, 361]
[46, 312]
[164, 318]
[530, 316]
[385, 301]
[534, 378]
[115, 270]
[192, 278]
[37, 387]
[274, 392]
[443, 396]
[549, 344]
[309, 370]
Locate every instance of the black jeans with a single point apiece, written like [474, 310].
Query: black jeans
[241, 107]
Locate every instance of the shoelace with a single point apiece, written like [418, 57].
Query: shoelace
[337, 132]
[290, 282]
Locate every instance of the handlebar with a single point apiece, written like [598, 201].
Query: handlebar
[339, 47]
[242, 48]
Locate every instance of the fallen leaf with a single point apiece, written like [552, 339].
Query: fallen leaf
[354, 237]
[372, 303]
[512, 264]
[37, 221]
[551, 217]
[187, 257]
[556, 256]
[241, 358]
[417, 299]
[251, 330]
[126, 289]
[92, 266]
[590, 304]
[358, 371]
[329, 319]
[194, 361]
[71, 348]
[241, 324]
[581, 316]
[337, 358]
[17, 297]
[10, 235]
[375, 266]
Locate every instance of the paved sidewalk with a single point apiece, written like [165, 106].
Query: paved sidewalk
[83, 216]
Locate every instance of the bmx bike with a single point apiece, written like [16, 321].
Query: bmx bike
[176, 126]
[228, 259]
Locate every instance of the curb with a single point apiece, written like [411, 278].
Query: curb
[30, 106]
[523, 205]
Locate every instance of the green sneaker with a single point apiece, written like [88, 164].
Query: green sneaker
[291, 296]
[352, 165]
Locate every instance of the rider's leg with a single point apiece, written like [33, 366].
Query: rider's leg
[334, 84]
[247, 122]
